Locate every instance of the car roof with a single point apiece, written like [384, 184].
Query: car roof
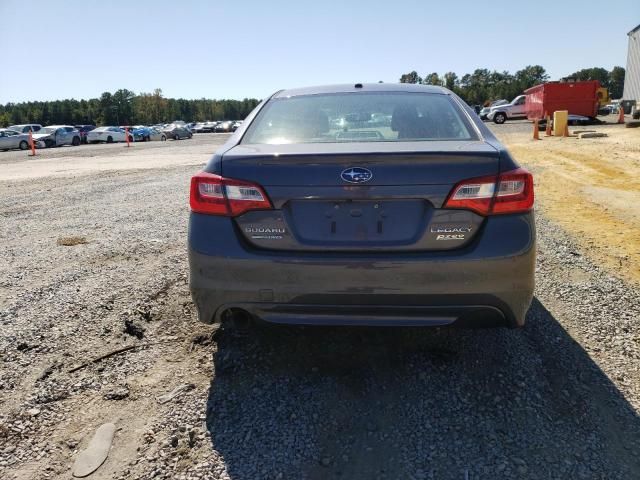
[362, 87]
[60, 126]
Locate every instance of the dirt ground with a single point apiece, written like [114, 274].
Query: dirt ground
[590, 187]
[94, 261]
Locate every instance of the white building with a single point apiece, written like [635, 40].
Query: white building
[632, 75]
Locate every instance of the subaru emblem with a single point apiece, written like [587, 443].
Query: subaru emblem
[356, 175]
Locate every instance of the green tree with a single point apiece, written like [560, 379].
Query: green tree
[530, 75]
[593, 73]
[411, 77]
[616, 82]
[432, 79]
[451, 81]
[5, 119]
[123, 101]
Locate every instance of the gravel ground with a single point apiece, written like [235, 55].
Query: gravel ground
[96, 262]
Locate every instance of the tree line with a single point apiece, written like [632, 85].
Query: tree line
[124, 107]
[483, 85]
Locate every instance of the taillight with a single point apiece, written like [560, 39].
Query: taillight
[216, 195]
[509, 192]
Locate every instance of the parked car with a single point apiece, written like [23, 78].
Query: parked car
[177, 132]
[484, 112]
[236, 125]
[292, 224]
[26, 128]
[10, 139]
[516, 109]
[56, 136]
[84, 129]
[140, 133]
[147, 134]
[223, 127]
[613, 108]
[155, 134]
[108, 135]
[204, 127]
[209, 127]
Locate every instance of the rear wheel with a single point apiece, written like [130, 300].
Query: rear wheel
[163, 138]
[24, 145]
[76, 141]
[500, 118]
[109, 139]
[176, 137]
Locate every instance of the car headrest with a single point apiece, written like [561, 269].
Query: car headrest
[315, 121]
[404, 116]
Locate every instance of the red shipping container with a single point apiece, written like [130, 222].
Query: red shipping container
[579, 98]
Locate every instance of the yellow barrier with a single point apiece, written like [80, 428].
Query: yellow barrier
[560, 122]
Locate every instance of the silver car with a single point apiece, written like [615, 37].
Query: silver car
[57, 135]
[11, 139]
[25, 128]
[157, 135]
[177, 132]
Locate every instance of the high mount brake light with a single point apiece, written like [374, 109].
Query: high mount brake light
[514, 193]
[216, 195]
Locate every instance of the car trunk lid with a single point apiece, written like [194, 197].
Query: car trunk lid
[396, 207]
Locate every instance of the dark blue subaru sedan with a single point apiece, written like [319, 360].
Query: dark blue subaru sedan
[363, 204]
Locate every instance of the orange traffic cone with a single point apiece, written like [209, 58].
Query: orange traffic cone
[32, 144]
[621, 115]
[536, 130]
[547, 130]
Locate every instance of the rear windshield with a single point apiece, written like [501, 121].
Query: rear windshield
[359, 117]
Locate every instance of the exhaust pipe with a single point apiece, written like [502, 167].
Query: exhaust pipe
[241, 320]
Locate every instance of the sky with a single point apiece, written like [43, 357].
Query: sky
[251, 48]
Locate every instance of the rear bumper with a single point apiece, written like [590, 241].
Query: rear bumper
[488, 283]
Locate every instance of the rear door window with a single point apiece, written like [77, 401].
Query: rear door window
[360, 117]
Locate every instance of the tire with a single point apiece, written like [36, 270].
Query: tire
[130, 139]
[23, 145]
[176, 137]
[500, 118]
[109, 139]
[76, 141]
[49, 143]
[191, 135]
[163, 138]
